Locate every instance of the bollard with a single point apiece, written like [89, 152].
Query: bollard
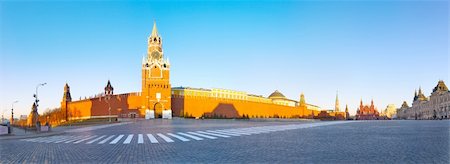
[9, 128]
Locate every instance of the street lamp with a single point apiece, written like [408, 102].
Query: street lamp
[12, 111]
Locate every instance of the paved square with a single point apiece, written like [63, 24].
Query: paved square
[231, 141]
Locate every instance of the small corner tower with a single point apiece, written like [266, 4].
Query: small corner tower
[66, 96]
[302, 102]
[109, 90]
[65, 101]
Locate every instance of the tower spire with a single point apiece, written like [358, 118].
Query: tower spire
[154, 43]
[336, 108]
[155, 30]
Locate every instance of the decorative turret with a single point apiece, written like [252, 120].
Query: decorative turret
[421, 96]
[405, 105]
[440, 88]
[109, 90]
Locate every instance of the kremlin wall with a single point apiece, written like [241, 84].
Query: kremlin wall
[158, 99]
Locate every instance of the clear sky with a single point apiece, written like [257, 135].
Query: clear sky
[363, 49]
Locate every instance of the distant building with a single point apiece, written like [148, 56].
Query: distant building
[366, 112]
[23, 117]
[437, 106]
[334, 114]
[390, 111]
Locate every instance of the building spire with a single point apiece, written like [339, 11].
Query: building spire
[336, 108]
[155, 30]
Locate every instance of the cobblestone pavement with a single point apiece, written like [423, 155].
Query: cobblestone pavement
[240, 141]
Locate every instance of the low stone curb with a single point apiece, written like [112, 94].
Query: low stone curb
[10, 137]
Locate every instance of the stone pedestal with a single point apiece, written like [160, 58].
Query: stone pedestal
[167, 114]
[33, 118]
[149, 114]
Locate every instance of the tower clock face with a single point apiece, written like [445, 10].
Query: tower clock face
[156, 55]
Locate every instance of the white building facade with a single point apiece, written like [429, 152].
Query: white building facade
[437, 106]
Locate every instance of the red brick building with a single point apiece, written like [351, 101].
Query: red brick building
[366, 112]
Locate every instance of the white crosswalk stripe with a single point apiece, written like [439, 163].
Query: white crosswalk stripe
[65, 139]
[190, 136]
[96, 139]
[232, 131]
[202, 135]
[128, 140]
[88, 138]
[62, 138]
[178, 137]
[74, 139]
[165, 138]
[236, 131]
[49, 139]
[140, 139]
[45, 139]
[213, 134]
[117, 139]
[106, 139]
[152, 138]
[218, 132]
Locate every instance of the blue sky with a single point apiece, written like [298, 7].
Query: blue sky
[363, 49]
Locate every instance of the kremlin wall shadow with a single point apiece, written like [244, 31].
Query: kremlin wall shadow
[223, 111]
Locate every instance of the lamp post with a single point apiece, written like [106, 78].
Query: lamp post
[12, 111]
